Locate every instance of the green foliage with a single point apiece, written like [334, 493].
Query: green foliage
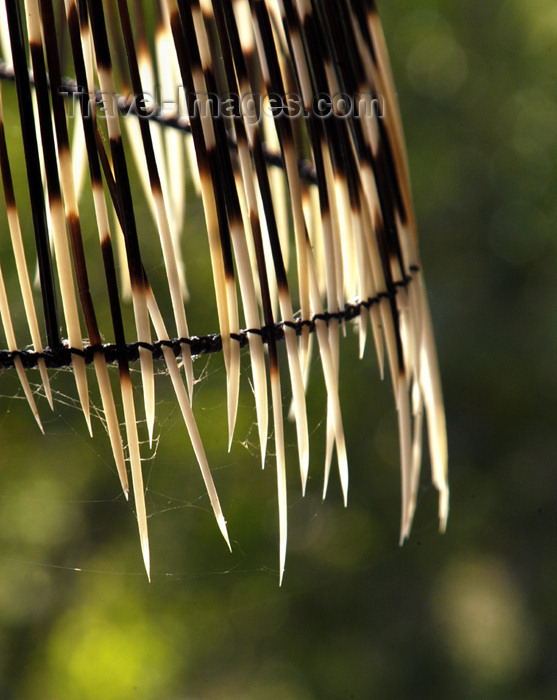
[471, 614]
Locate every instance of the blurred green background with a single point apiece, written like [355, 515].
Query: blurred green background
[471, 614]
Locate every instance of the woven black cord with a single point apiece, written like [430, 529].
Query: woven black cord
[199, 345]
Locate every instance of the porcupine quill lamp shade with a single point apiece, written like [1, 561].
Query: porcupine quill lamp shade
[284, 116]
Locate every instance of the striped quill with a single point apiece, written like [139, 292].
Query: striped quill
[270, 106]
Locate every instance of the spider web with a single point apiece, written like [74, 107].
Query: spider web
[172, 495]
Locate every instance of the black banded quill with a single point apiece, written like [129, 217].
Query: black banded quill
[275, 117]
